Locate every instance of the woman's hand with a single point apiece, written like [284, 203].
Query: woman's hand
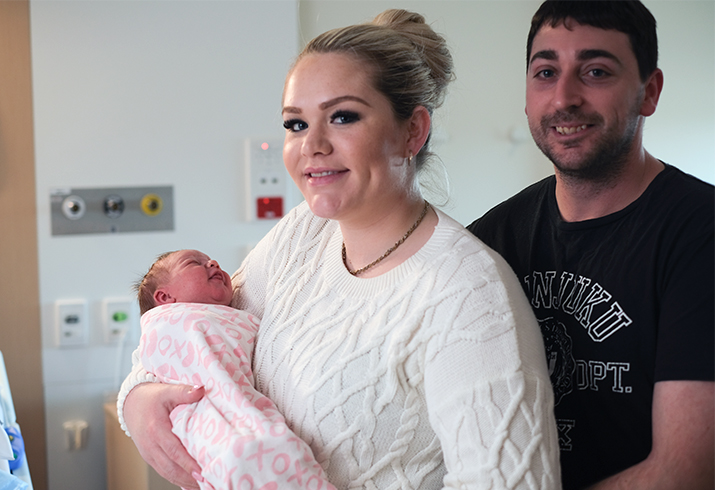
[146, 414]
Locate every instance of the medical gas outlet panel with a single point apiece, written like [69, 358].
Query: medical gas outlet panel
[111, 210]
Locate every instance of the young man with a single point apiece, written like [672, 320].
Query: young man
[615, 252]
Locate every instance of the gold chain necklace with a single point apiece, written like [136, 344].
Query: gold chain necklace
[389, 250]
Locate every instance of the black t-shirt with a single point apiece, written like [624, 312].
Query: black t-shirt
[623, 301]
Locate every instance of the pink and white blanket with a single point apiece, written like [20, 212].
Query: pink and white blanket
[235, 433]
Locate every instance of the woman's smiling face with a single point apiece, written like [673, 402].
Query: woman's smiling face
[344, 147]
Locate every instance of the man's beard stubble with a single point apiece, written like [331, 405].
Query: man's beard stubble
[608, 158]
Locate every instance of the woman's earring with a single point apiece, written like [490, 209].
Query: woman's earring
[409, 159]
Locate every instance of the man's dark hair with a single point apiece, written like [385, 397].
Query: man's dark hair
[628, 16]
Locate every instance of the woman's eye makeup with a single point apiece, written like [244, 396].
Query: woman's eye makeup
[345, 117]
[294, 125]
[338, 117]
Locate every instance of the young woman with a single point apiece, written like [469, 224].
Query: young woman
[399, 347]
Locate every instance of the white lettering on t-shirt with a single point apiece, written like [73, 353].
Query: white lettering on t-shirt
[589, 375]
[587, 301]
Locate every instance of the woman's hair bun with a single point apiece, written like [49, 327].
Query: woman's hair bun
[429, 44]
[393, 17]
[409, 62]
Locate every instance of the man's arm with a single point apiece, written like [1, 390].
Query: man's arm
[683, 453]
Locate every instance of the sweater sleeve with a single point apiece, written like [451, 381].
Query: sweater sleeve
[137, 376]
[487, 387]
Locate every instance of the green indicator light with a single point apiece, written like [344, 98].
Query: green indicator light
[120, 316]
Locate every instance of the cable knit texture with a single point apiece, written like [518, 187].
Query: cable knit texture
[431, 375]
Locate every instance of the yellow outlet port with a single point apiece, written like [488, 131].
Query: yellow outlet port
[151, 204]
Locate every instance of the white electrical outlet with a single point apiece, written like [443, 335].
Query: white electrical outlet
[71, 323]
[118, 318]
[266, 179]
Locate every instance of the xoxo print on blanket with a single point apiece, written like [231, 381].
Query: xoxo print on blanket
[236, 434]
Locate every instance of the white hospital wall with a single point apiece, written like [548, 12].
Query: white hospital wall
[137, 93]
[163, 92]
[682, 131]
[482, 134]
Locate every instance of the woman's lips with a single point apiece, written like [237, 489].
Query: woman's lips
[320, 176]
[324, 173]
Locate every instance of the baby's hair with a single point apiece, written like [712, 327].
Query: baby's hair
[147, 285]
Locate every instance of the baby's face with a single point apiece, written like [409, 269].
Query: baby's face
[195, 278]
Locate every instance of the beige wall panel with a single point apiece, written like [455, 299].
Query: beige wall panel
[19, 295]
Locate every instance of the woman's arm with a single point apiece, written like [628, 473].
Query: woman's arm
[488, 390]
[146, 414]
[143, 407]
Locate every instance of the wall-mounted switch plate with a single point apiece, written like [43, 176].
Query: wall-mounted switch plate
[71, 323]
[267, 181]
[118, 318]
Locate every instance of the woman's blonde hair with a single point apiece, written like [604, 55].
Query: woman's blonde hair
[411, 62]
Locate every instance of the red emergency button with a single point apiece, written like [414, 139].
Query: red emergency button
[269, 207]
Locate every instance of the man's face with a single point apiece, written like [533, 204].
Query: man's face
[584, 100]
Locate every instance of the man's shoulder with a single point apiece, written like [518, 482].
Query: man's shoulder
[675, 196]
[675, 182]
[518, 208]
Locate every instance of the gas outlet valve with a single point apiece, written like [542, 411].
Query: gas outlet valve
[151, 204]
[113, 206]
[73, 207]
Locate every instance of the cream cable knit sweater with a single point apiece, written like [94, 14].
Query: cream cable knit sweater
[430, 375]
